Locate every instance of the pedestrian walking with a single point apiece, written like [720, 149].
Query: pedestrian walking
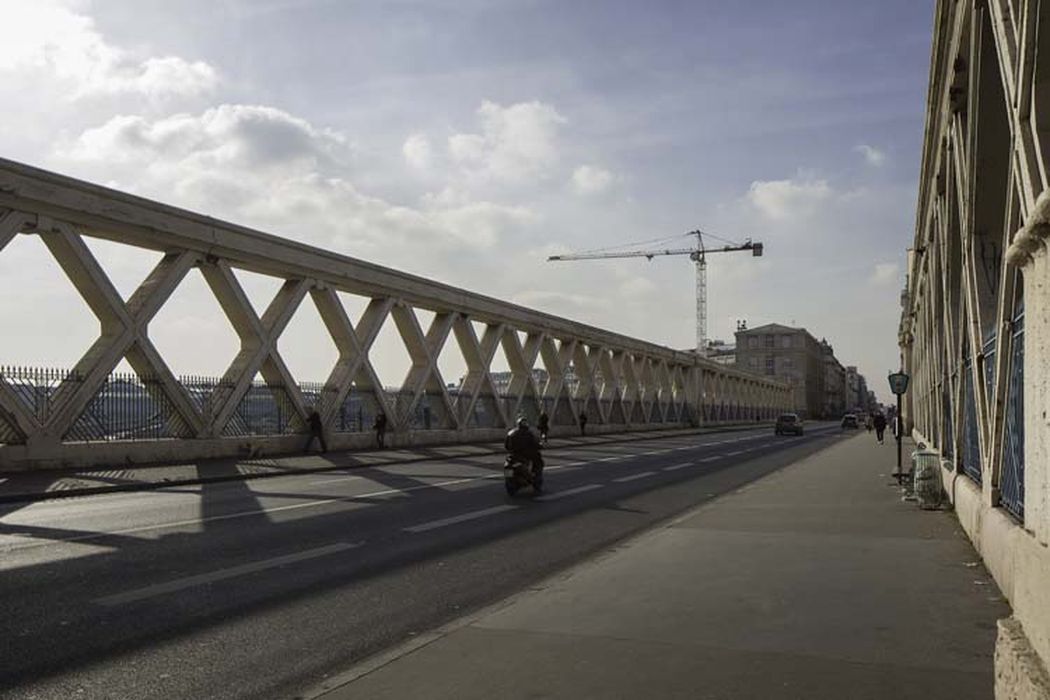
[380, 427]
[316, 426]
[880, 426]
[544, 425]
[583, 422]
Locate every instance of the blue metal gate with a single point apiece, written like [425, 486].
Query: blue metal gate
[948, 418]
[971, 446]
[1011, 483]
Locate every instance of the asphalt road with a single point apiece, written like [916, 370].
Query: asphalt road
[262, 588]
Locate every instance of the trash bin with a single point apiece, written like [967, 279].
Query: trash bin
[926, 467]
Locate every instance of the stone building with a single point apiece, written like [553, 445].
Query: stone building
[789, 354]
[834, 383]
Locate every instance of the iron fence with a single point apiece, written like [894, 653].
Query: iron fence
[947, 418]
[971, 446]
[1011, 482]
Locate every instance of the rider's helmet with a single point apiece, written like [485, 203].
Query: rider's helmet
[523, 422]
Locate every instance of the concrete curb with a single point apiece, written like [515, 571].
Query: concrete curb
[32, 497]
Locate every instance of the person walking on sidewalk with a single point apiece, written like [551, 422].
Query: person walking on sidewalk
[583, 422]
[880, 426]
[316, 426]
[544, 426]
[380, 427]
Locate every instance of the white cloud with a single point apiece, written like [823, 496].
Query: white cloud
[417, 152]
[872, 156]
[590, 179]
[884, 273]
[516, 144]
[782, 200]
[49, 36]
[248, 136]
[271, 169]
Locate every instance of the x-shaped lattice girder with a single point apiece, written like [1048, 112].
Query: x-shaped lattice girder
[258, 353]
[353, 368]
[478, 382]
[556, 360]
[123, 332]
[521, 360]
[13, 410]
[585, 360]
[424, 377]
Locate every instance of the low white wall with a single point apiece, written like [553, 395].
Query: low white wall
[126, 453]
[1019, 564]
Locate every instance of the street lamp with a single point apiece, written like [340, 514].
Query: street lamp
[899, 385]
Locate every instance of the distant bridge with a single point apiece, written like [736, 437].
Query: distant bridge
[620, 382]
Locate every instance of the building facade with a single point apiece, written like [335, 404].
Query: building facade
[789, 354]
[834, 383]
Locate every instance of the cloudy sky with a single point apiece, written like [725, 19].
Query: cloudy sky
[466, 140]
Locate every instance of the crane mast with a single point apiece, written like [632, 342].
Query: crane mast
[697, 254]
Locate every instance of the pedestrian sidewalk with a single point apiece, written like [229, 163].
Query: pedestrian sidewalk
[31, 486]
[817, 581]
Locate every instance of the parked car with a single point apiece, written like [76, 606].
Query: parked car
[850, 421]
[788, 423]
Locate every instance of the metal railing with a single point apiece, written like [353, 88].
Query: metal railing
[1011, 482]
[971, 446]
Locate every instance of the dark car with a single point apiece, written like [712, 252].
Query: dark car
[788, 423]
[850, 421]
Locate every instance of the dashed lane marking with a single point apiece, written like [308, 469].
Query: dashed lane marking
[568, 492]
[462, 518]
[334, 480]
[712, 458]
[180, 584]
[676, 467]
[632, 477]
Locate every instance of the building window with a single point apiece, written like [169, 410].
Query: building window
[771, 365]
[769, 340]
[753, 362]
[785, 341]
[752, 342]
[787, 362]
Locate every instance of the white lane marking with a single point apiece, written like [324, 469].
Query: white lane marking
[735, 453]
[568, 492]
[632, 477]
[461, 518]
[676, 467]
[712, 458]
[221, 574]
[274, 509]
[608, 459]
[332, 481]
[260, 511]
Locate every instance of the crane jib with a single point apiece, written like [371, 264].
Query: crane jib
[697, 255]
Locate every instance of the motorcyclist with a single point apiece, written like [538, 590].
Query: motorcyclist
[521, 442]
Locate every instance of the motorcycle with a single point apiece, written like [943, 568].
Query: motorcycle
[518, 472]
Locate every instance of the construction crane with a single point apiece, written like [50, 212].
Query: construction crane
[698, 254]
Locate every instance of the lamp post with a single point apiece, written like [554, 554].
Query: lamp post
[899, 385]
